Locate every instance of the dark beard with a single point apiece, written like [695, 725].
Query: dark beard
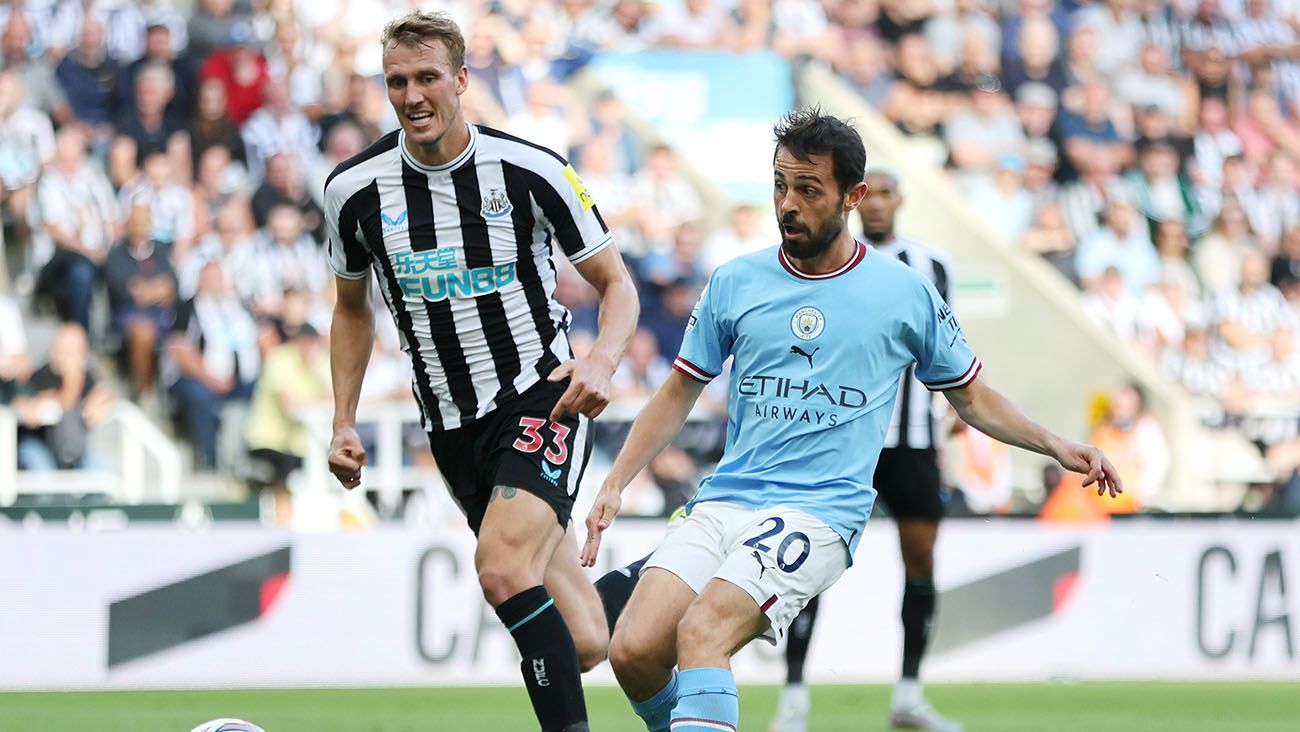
[815, 244]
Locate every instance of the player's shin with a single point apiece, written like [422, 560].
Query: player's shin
[657, 711]
[918, 616]
[706, 701]
[550, 666]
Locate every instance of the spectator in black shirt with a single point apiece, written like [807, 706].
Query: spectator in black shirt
[1286, 265]
[147, 127]
[353, 110]
[158, 47]
[1039, 58]
[285, 186]
[59, 404]
[212, 126]
[141, 296]
[90, 78]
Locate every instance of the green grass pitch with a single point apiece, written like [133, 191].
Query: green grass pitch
[1083, 707]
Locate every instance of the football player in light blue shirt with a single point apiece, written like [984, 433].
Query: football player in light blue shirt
[820, 329]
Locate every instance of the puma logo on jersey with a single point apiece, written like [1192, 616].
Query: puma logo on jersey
[762, 566]
[795, 350]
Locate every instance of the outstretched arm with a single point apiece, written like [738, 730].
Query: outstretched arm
[988, 411]
[656, 426]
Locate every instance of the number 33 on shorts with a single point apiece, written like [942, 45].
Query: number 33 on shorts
[557, 451]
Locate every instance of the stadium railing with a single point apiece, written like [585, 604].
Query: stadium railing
[130, 481]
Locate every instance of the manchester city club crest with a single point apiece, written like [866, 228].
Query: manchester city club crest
[496, 204]
[808, 323]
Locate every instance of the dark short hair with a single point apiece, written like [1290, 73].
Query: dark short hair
[419, 27]
[807, 132]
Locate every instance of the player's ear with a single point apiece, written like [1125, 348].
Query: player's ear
[853, 197]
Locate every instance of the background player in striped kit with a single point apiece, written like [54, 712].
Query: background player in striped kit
[458, 223]
[907, 480]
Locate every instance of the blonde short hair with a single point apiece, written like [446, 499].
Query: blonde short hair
[419, 27]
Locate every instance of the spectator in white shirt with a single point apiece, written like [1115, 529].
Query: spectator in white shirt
[15, 362]
[1280, 197]
[690, 24]
[1215, 142]
[286, 259]
[278, 126]
[81, 216]
[666, 197]
[26, 146]
[548, 118]
[1112, 305]
[615, 192]
[230, 243]
[1248, 315]
[171, 205]
[212, 356]
[343, 141]
[1218, 256]
[740, 235]
[1121, 242]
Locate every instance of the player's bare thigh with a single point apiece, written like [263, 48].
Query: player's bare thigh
[717, 624]
[643, 650]
[516, 541]
[578, 602]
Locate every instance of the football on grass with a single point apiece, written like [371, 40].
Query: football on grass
[227, 725]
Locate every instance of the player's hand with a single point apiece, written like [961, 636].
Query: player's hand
[1094, 465]
[588, 391]
[603, 511]
[347, 456]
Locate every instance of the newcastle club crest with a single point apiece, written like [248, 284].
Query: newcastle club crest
[496, 204]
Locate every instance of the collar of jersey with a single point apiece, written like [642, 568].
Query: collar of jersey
[853, 262]
[449, 165]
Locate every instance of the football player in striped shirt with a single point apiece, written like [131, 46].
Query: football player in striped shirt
[458, 223]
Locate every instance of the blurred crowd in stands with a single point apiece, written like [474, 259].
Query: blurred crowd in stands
[171, 155]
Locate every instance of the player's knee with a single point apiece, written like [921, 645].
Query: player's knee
[500, 582]
[629, 653]
[918, 561]
[591, 651]
[590, 657]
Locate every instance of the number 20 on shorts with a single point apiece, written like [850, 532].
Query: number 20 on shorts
[557, 452]
[778, 525]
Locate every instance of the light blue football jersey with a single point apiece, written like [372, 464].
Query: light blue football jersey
[815, 375]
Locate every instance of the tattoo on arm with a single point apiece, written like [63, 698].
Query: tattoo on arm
[503, 491]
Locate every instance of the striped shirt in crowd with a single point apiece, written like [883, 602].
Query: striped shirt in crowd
[912, 424]
[462, 252]
[1261, 310]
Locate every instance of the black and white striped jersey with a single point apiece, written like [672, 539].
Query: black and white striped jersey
[912, 424]
[462, 253]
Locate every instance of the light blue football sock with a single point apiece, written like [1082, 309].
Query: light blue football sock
[657, 710]
[706, 701]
